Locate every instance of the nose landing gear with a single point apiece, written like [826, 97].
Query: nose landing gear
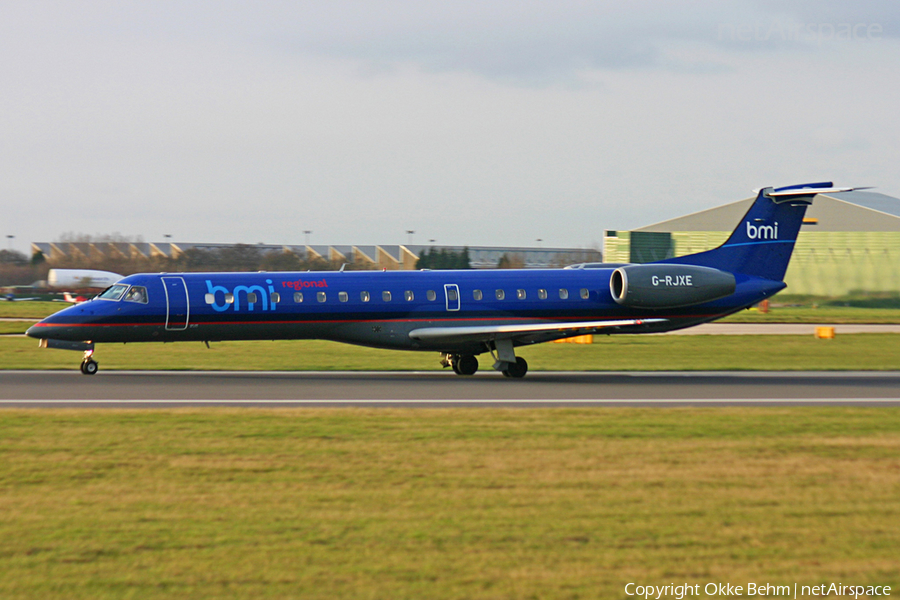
[89, 366]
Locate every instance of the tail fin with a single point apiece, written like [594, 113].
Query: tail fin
[763, 241]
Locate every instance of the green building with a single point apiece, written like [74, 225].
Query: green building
[849, 242]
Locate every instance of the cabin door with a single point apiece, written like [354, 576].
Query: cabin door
[177, 306]
[451, 293]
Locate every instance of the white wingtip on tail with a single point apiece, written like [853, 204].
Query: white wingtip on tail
[810, 191]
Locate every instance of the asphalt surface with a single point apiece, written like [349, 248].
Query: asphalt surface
[168, 389]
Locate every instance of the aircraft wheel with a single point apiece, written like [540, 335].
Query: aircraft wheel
[466, 365]
[517, 369]
[89, 367]
[454, 364]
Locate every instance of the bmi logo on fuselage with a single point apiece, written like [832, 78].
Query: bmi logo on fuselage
[248, 295]
[762, 232]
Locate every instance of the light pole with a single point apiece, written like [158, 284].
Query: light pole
[307, 232]
[9, 243]
[409, 234]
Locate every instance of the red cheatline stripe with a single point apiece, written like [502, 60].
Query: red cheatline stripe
[322, 321]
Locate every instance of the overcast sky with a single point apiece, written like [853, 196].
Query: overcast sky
[478, 123]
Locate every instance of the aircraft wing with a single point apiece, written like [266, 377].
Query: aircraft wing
[501, 332]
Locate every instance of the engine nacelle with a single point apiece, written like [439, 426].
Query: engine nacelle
[668, 286]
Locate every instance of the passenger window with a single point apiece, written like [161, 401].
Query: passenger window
[251, 298]
[320, 296]
[542, 294]
[563, 293]
[431, 295]
[364, 296]
[138, 293]
[210, 298]
[452, 294]
[476, 294]
[500, 294]
[409, 296]
[343, 297]
[386, 296]
[229, 298]
[275, 298]
[298, 297]
[585, 294]
[520, 294]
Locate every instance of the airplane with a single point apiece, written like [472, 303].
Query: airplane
[68, 297]
[14, 298]
[461, 314]
[81, 278]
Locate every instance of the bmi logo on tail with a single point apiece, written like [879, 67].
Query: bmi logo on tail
[762, 232]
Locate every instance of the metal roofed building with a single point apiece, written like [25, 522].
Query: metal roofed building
[849, 242]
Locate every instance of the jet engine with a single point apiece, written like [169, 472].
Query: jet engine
[668, 286]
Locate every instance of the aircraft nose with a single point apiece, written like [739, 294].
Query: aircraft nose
[38, 332]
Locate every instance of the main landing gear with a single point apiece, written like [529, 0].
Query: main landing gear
[505, 359]
[517, 369]
[462, 364]
[89, 366]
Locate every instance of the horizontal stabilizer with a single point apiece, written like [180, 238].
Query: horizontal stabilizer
[809, 189]
[499, 332]
[811, 192]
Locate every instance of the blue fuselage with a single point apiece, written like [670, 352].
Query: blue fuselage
[371, 308]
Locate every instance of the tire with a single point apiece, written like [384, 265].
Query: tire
[517, 369]
[89, 367]
[466, 365]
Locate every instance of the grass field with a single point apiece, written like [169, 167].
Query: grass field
[824, 314]
[422, 504]
[618, 353]
[30, 310]
[9, 327]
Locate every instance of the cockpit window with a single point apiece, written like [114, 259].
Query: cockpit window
[113, 292]
[137, 293]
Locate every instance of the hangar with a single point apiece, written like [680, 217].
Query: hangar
[849, 242]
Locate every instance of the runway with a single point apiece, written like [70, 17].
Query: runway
[132, 389]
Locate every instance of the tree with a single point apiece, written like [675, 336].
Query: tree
[444, 259]
[514, 261]
[11, 257]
